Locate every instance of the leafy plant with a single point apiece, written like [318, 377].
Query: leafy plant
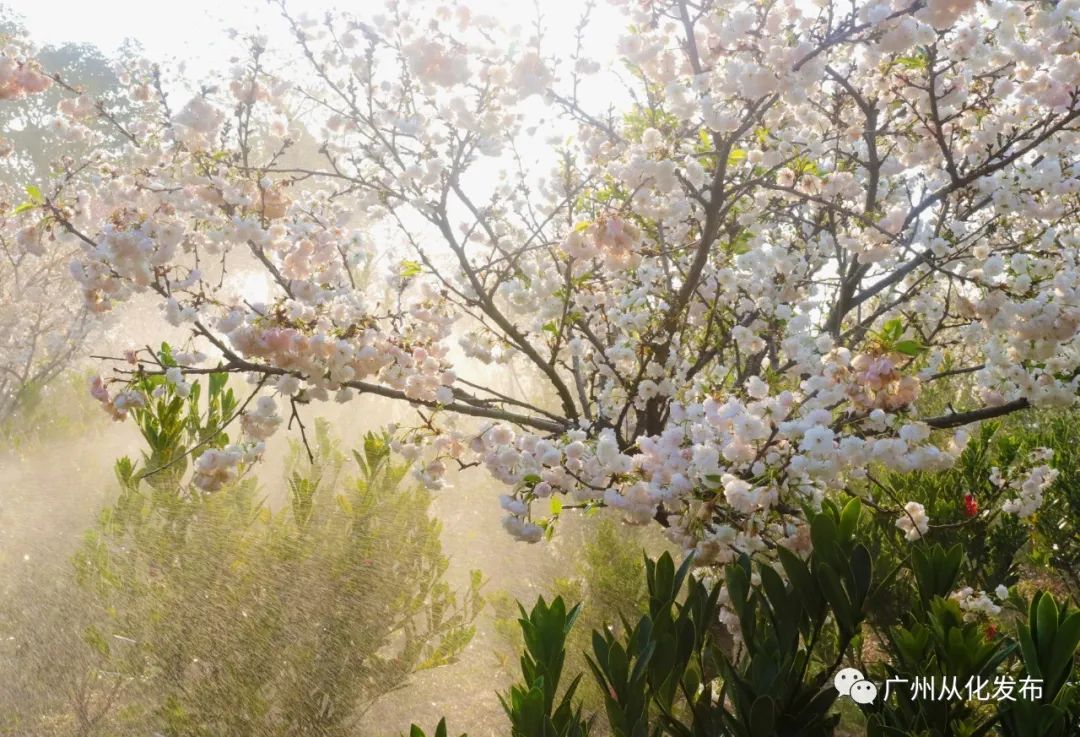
[938, 645]
[532, 705]
[607, 578]
[964, 506]
[779, 681]
[212, 613]
[1048, 641]
[440, 730]
[798, 622]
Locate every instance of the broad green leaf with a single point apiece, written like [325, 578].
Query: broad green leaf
[908, 347]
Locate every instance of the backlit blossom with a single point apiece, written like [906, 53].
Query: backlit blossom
[800, 251]
[913, 521]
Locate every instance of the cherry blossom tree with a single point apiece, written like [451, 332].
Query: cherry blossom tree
[37, 336]
[42, 328]
[40, 332]
[736, 291]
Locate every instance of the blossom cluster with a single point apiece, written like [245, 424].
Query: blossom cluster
[261, 422]
[738, 296]
[117, 406]
[976, 603]
[914, 521]
[215, 468]
[20, 75]
[1029, 485]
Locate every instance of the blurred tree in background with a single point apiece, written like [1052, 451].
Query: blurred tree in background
[43, 330]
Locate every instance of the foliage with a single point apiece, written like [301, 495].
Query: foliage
[1049, 642]
[937, 641]
[531, 704]
[663, 675]
[55, 410]
[607, 578]
[965, 504]
[1055, 549]
[797, 625]
[214, 614]
[440, 730]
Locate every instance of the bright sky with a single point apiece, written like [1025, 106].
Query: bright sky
[193, 29]
[164, 29]
[194, 32]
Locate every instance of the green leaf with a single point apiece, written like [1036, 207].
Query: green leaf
[838, 600]
[916, 62]
[774, 587]
[862, 570]
[165, 355]
[824, 535]
[1047, 622]
[799, 575]
[35, 194]
[849, 519]
[909, 347]
[1030, 654]
[763, 717]
[892, 329]
[217, 382]
[1064, 651]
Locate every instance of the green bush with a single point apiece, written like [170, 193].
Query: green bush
[212, 614]
[999, 548]
[60, 409]
[670, 674]
[935, 640]
[607, 578]
[534, 706]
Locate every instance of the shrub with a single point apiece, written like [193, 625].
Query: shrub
[607, 578]
[964, 504]
[213, 614]
[57, 410]
[669, 675]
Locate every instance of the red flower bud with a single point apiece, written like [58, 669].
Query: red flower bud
[971, 507]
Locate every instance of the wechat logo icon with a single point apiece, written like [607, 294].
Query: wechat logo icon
[851, 683]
